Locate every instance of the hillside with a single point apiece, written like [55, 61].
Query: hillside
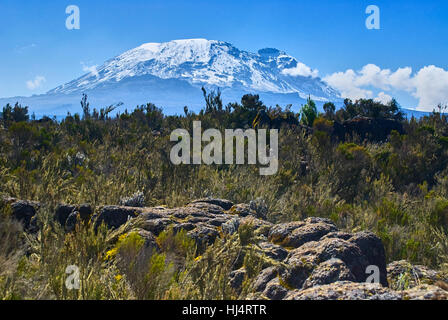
[357, 187]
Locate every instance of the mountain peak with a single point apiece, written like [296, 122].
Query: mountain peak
[209, 63]
[179, 42]
[270, 52]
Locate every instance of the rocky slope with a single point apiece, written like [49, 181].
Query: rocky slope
[315, 261]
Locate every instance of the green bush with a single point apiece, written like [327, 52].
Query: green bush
[397, 189]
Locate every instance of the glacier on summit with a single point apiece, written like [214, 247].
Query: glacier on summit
[171, 75]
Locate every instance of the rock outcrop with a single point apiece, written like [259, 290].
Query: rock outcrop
[24, 211]
[309, 260]
[403, 275]
[69, 215]
[345, 290]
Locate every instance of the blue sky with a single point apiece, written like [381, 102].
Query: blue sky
[38, 53]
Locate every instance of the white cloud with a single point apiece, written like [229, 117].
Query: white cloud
[384, 98]
[429, 85]
[401, 79]
[24, 48]
[346, 83]
[92, 69]
[36, 83]
[301, 70]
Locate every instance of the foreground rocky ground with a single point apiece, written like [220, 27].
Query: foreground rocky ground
[311, 259]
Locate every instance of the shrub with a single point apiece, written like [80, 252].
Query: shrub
[308, 113]
[136, 200]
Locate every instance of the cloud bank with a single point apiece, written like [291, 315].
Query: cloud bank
[429, 85]
[36, 83]
[92, 69]
[301, 70]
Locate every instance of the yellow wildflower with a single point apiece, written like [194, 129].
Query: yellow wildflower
[111, 254]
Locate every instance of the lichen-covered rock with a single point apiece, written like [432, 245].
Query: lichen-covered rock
[260, 227]
[241, 210]
[70, 223]
[338, 235]
[203, 236]
[252, 209]
[183, 226]
[293, 235]
[152, 214]
[315, 252]
[280, 232]
[403, 275]
[202, 210]
[264, 278]
[425, 292]
[236, 279]
[327, 272]
[372, 248]
[273, 251]
[274, 290]
[345, 290]
[115, 216]
[205, 207]
[217, 222]
[79, 214]
[231, 226]
[319, 220]
[224, 204]
[23, 211]
[197, 220]
[296, 273]
[157, 226]
[85, 211]
[62, 213]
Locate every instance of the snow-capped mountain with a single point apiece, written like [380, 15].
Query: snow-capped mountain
[171, 74]
[206, 62]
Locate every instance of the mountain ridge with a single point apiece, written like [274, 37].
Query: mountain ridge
[171, 75]
[207, 62]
